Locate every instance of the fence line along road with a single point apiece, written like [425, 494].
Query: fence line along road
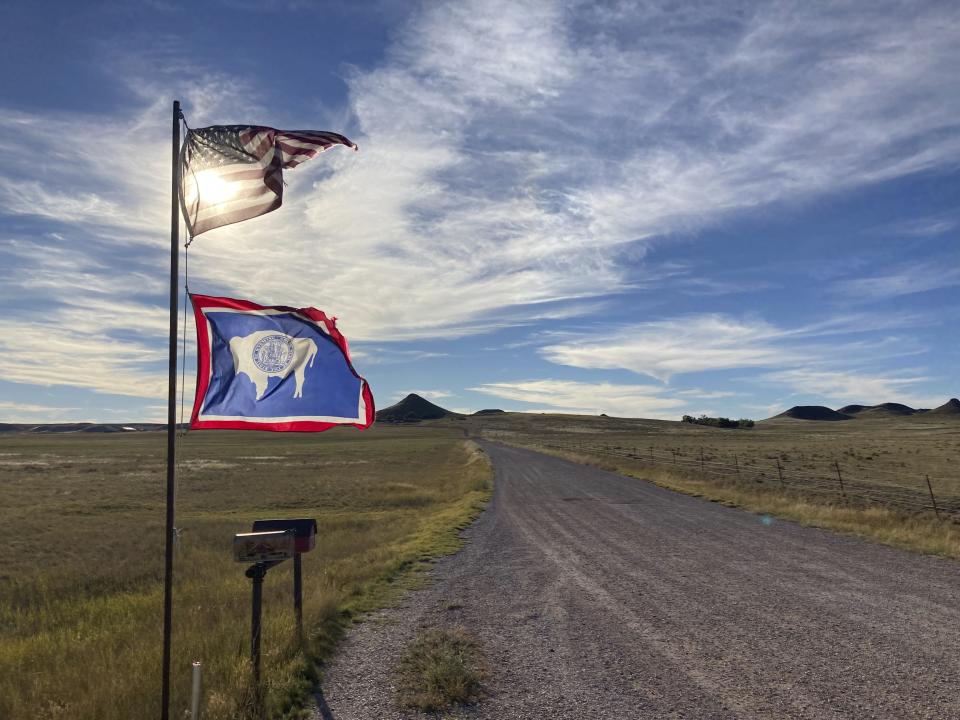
[833, 479]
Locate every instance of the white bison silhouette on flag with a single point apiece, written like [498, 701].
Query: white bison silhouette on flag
[268, 353]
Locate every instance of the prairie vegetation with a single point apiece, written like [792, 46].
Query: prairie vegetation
[721, 422]
[440, 669]
[81, 519]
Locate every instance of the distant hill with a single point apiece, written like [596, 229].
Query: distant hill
[60, 427]
[853, 409]
[82, 427]
[490, 411]
[889, 409]
[882, 409]
[849, 412]
[950, 407]
[411, 409]
[813, 412]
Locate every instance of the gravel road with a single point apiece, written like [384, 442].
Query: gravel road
[593, 595]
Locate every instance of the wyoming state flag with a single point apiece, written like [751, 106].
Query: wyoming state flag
[274, 368]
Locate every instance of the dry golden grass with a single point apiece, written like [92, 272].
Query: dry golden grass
[81, 588]
[896, 451]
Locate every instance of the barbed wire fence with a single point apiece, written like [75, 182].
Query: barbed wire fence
[846, 482]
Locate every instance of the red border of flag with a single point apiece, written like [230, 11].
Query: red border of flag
[327, 325]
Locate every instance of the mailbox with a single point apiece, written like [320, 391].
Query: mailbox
[304, 530]
[264, 547]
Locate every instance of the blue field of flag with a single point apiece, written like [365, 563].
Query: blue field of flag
[276, 366]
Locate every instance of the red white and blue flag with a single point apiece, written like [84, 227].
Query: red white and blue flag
[230, 173]
[274, 368]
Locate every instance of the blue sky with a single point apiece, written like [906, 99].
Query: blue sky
[640, 209]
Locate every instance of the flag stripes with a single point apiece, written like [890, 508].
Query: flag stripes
[231, 173]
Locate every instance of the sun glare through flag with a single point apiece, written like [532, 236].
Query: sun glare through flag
[231, 173]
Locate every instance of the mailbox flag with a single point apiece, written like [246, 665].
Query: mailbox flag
[274, 368]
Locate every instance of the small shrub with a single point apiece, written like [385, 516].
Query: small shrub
[720, 422]
[440, 669]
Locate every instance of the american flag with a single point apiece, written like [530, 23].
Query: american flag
[231, 173]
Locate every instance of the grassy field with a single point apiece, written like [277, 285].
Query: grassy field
[884, 462]
[81, 520]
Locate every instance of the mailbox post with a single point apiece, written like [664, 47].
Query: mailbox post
[298, 595]
[305, 539]
[263, 550]
[256, 573]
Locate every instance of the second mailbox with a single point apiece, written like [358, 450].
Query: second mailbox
[304, 531]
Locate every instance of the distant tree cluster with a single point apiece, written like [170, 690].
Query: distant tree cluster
[718, 422]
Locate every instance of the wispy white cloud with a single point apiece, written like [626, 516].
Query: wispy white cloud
[766, 410]
[91, 340]
[829, 359]
[920, 227]
[912, 278]
[705, 394]
[623, 400]
[715, 341]
[17, 412]
[710, 287]
[495, 52]
[682, 345]
[428, 394]
[861, 387]
[52, 352]
[392, 356]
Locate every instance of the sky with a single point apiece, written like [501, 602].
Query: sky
[634, 208]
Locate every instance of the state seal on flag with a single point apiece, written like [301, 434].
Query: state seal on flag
[274, 353]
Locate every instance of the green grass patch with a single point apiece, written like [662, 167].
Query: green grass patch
[81, 587]
[441, 669]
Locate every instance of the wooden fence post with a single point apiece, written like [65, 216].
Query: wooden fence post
[932, 498]
[840, 478]
[701, 461]
[780, 472]
[736, 462]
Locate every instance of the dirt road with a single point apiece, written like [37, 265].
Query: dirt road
[599, 596]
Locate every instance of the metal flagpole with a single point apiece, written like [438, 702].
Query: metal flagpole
[171, 413]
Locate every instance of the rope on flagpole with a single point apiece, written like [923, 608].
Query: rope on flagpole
[186, 297]
[181, 430]
[183, 353]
